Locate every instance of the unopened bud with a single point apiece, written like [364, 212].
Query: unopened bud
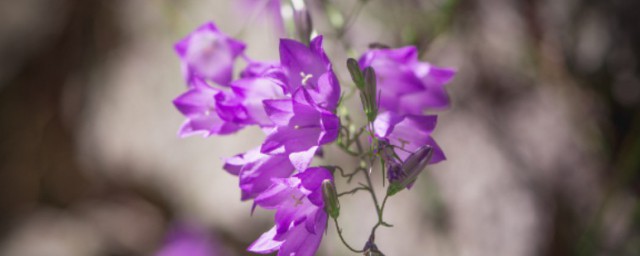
[302, 21]
[371, 249]
[331, 203]
[373, 253]
[356, 74]
[411, 168]
[369, 93]
[370, 81]
[378, 46]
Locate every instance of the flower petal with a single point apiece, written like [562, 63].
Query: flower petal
[266, 243]
[301, 160]
[279, 111]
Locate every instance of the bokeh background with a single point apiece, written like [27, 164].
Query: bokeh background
[542, 139]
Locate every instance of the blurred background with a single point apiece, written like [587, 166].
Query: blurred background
[542, 139]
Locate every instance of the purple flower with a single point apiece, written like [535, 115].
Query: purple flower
[245, 104]
[256, 171]
[198, 104]
[301, 127]
[208, 54]
[223, 111]
[407, 133]
[405, 141]
[406, 85]
[310, 68]
[300, 217]
[186, 240]
[263, 69]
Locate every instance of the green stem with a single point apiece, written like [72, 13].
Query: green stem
[353, 191]
[371, 191]
[342, 238]
[348, 176]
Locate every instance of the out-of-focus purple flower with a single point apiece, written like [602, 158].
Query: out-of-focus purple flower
[301, 127]
[263, 69]
[187, 240]
[209, 54]
[269, 8]
[300, 217]
[256, 171]
[407, 133]
[310, 68]
[198, 104]
[406, 85]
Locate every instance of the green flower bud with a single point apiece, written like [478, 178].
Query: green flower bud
[356, 74]
[370, 93]
[331, 203]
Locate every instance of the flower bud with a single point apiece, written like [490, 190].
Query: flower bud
[369, 94]
[370, 82]
[356, 74]
[411, 167]
[302, 21]
[331, 203]
[371, 249]
[373, 253]
[378, 46]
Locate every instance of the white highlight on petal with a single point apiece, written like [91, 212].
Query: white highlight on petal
[297, 4]
[287, 12]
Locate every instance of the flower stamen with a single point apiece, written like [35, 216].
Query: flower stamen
[305, 77]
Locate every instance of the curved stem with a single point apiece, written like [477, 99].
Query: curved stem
[384, 202]
[373, 193]
[353, 191]
[343, 240]
[349, 139]
[356, 139]
[379, 208]
[347, 150]
[348, 176]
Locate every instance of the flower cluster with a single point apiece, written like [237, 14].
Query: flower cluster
[293, 101]
[406, 89]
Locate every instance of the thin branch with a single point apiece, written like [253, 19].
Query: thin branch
[344, 175]
[342, 238]
[353, 191]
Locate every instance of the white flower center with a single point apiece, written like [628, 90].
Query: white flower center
[305, 77]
